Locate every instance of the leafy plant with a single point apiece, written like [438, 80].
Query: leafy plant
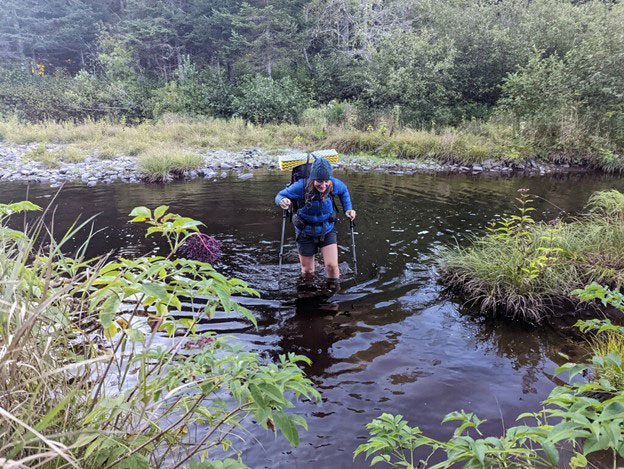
[106, 392]
[607, 341]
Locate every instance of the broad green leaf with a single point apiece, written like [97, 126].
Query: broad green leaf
[551, 453]
[155, 290]
[108, 310]
[287, 427]
[141, 212]
[479, 450]
[160, 211]
[135, 335]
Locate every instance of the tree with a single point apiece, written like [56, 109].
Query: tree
[267, 31]
[57, 33]
[414, 72]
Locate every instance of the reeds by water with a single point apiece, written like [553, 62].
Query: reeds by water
[528, 272]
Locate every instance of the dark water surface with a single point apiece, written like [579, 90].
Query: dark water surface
[391, 340]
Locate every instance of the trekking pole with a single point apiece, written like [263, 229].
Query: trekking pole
[281, 253]
[353, 247]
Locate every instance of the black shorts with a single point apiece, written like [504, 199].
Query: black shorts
[306, 245]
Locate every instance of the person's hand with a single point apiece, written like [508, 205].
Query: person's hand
[285, 203]
[350, 214]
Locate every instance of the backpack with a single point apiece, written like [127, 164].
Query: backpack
[303, 172]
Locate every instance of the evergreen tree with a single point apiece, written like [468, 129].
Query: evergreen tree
[267, 32]
[57, 33]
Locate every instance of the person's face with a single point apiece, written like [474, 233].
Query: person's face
[320, 185]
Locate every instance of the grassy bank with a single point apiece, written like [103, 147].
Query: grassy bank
[155, 142]
[526, 270]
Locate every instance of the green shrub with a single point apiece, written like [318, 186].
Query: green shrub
[571, 102]
[414, 72]
[83, 340]
[262, 100]
[36, 98]
[193, 92]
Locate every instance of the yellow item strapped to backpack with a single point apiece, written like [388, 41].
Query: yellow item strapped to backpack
[290, 161]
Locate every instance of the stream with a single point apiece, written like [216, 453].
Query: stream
[391, 339]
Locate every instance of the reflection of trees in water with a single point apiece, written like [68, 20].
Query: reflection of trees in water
[526, 347]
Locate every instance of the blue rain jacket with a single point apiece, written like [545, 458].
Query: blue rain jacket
[316, 213]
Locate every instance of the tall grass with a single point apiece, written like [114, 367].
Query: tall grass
[470, 143]
[526, 270]
[159, 163]
[43, 371]
[171, 129]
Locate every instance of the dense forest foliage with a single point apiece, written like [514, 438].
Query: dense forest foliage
[551, 69]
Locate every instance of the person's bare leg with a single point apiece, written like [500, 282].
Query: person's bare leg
[307, 264]
[330, 258]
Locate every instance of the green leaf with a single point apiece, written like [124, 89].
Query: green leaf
[141, 212]
[578, 460]
[135, 335]
[380, 458]
[244, 312]
[108, 310]
[551, 453]
[156, 291]
[168, 327]
[49, 417]
[160, 211]
[594, 444]
[8, 233]
[257, 395]
[285, 424]
[136, 461]
[111, 331]
[613, 410]
[479, 450]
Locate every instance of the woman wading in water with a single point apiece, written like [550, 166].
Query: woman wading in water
[314, 216]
